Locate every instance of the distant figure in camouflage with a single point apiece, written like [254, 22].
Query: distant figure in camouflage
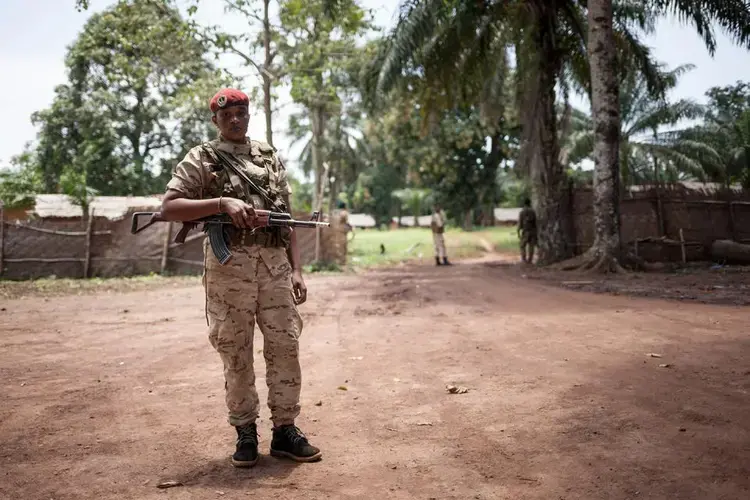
[262, 283]
[527, 231]
[437, 224]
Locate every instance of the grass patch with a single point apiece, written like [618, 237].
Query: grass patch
[415, 244]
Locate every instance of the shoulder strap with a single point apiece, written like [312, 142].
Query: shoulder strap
[228, 160]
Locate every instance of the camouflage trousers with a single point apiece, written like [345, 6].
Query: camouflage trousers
[528, 239]
[439, 243]
[255, 286]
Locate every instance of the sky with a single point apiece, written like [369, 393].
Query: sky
[35, 34]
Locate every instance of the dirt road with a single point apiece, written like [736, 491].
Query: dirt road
[104, 397]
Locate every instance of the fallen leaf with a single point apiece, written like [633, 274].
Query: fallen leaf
[456, 389]
[343, 388]
[390, 429]
[665, 365]
[319, 403]
[421, 424]
[168, 484]
[654, 355]
[220, 493]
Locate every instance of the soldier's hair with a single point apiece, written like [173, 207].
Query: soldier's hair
[527, 202]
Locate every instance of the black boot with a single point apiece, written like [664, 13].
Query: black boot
[288, 441]
[437, 261]
[445, 262]
[246, 454]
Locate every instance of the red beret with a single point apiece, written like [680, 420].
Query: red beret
[226, 98]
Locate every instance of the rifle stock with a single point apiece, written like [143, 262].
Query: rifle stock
[214, 227]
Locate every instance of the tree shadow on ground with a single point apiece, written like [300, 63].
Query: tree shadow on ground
[640, 430]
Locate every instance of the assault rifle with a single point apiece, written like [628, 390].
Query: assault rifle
[214, 226]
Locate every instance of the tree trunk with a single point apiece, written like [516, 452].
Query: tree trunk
[317, 159]
[267, 67]
[548, 178]
[604, 254]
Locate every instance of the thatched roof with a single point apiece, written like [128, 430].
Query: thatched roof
[361, 220]
[506, 214]
[111, 207]
[408, 220]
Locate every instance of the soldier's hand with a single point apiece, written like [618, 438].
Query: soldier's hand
[242, 214]
[299, 289]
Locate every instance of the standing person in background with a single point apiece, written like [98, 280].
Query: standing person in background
[438, 228]
[527, 231]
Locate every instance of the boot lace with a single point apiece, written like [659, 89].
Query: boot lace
[248, 435]
[294, 435]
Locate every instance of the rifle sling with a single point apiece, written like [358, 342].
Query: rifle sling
[227, 160]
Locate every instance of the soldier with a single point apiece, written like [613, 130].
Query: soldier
[527, 231]
[262, 283]
[437, 224]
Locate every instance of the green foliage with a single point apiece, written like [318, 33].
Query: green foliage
[320, 57]
[74, 184]
[18, 187]
[647, 153]
[301, 194]
[725, 133]
[139, 81]
[323, 267]
[415, 244]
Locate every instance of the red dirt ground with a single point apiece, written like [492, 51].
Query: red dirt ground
[104, 397]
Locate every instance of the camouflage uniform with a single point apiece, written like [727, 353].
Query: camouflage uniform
[254, 286]
[437, 224]
[527, 229]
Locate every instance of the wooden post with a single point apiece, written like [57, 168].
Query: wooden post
[165, 248]
[732, 222]
[87, 261]
[2, 237]
[682, 247]
[660, 215]
[319, 210]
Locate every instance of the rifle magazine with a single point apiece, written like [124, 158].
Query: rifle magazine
[217, 238]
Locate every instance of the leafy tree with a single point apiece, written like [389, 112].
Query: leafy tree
[726, 130]
[647, 153]
[18, 186]
[462, 51]
[139, 81]
[732, 15]
[415, 200]
[318, 49]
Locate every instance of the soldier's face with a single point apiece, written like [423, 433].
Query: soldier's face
[233, 122]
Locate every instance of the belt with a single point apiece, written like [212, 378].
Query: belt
[261, 237]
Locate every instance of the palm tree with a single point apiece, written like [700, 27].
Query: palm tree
[414, 199]
[343, 147]
[732, 15]
[460, 51]
[729, 139]
[644, 148]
